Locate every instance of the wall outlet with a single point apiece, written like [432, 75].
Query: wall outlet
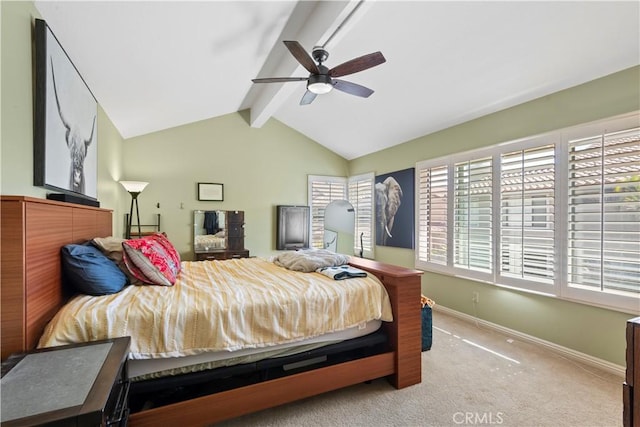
[476, 297]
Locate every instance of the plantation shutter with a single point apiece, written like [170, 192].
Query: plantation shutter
[322, 191]
[603, 235]
[527, 226]
[361, 197]
[432, 214]
[472, 225]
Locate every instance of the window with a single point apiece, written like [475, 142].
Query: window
[472, 216]
[527, 198]
[358, 190]
[432, 214]
[603, 236]
[361, 197]
[557, 213]
[322, 191]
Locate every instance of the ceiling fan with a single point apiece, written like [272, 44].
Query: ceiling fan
[323, 80]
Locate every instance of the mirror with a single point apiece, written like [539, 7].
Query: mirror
[339, 225]
[208, 230]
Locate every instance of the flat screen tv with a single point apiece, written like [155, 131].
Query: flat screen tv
[292, 227]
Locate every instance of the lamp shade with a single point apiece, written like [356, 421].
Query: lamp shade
[134, 186]
[319, 84]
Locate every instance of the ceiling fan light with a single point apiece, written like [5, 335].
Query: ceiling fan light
[319, 84]
[320, 88]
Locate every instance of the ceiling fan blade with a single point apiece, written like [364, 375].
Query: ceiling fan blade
[352, 88]
[357, 64]
[279, 79]
[302, 56]
[307, 98]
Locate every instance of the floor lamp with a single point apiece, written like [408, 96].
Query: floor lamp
[134, 188]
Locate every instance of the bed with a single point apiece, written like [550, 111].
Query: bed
[34, 230]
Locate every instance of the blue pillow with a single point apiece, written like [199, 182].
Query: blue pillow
[90, 271]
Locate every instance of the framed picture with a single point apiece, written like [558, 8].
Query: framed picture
[395, 209]
[210, 192]
[65, 125]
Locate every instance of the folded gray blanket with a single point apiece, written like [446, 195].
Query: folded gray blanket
[342, 272]
[309, 260]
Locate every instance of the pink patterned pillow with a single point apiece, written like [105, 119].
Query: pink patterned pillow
[152, 259]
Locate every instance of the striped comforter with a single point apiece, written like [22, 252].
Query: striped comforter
[221, 305]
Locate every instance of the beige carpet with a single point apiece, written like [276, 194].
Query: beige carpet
[471, 376]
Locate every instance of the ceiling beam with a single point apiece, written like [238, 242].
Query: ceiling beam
[311, 24]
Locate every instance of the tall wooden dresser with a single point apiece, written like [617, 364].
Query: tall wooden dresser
[631, 387]
[234, 240]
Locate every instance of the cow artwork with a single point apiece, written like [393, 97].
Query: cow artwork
[75, 142]
[65, 135]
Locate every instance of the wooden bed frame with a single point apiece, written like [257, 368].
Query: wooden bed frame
[32, 233]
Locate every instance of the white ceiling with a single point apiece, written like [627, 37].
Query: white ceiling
[153, 65]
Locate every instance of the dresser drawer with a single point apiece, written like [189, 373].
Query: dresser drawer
[239, 254]
[235, 217]
[222, 255]
[211, 256]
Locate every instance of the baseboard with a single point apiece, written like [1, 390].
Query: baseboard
[595, 362]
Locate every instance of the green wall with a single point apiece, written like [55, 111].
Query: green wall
[591, 330]
[16, 112]
[261, 168]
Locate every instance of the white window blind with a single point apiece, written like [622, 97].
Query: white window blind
[557, 213]
[603, 234]
[527, 227]
[322, 191]
[360, 189]
[432, 214]
[472, 224]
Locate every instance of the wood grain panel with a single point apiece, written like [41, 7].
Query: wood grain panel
[104, 224]
[83, 225]
[233, 403]
[90, 223]
[12, 271]
[48, 228]
[33, 231]
[405, 333]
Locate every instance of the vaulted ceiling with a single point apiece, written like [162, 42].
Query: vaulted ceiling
[153, 65]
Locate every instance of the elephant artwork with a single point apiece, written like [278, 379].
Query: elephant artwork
[388, 200]
[394, 209]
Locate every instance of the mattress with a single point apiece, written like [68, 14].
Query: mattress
[143, 369]
[219, 307]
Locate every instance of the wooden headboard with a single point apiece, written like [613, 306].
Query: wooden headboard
[32, 233]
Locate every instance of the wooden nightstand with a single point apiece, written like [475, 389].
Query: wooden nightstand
[73, 385]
